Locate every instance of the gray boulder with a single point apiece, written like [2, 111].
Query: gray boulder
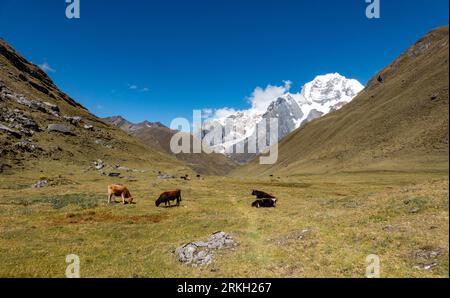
[10, 131]
[59, 128]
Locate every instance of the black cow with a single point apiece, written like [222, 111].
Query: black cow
[262, 195]
[265, 203]
[168, 196]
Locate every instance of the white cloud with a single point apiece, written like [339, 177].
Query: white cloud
[262, 98]
[137, 88]
[46, 67]
[223, 112]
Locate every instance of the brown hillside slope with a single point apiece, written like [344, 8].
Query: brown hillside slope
[399, 122]
[158, 136]
[30, 102]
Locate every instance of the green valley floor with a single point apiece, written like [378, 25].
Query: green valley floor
[323, 226]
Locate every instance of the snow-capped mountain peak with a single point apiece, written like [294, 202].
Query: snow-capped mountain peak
[324, 94]
[331, 87]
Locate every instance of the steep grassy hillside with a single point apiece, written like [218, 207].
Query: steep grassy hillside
[399, 122]
[42, 128]
[158, 136]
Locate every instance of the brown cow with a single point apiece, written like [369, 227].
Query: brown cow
[168, 196]
[119, 190]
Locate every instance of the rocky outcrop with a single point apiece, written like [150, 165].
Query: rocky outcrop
[17, 120]
[27, 147]
[37, 105]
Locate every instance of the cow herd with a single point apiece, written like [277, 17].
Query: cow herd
[263, 199]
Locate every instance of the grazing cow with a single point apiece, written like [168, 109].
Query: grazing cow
[118, 190]
[262, 195]
[265, 203]
[168, 196]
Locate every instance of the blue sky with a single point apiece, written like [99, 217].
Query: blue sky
[160, 59]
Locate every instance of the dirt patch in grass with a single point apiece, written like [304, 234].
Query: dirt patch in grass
[104, 217]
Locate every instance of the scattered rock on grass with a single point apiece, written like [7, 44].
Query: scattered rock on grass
[40, 184]
[201, 253]
[98, 164]
[165, 176]
[426, 257]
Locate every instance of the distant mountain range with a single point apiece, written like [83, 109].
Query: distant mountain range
[325, 94]
[158, 136]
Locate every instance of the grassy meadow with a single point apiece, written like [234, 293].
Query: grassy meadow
[323, 226]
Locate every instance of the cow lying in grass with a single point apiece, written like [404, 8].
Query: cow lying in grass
[168, 196]
[262, 195]
[265, 203]
[118, 190]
